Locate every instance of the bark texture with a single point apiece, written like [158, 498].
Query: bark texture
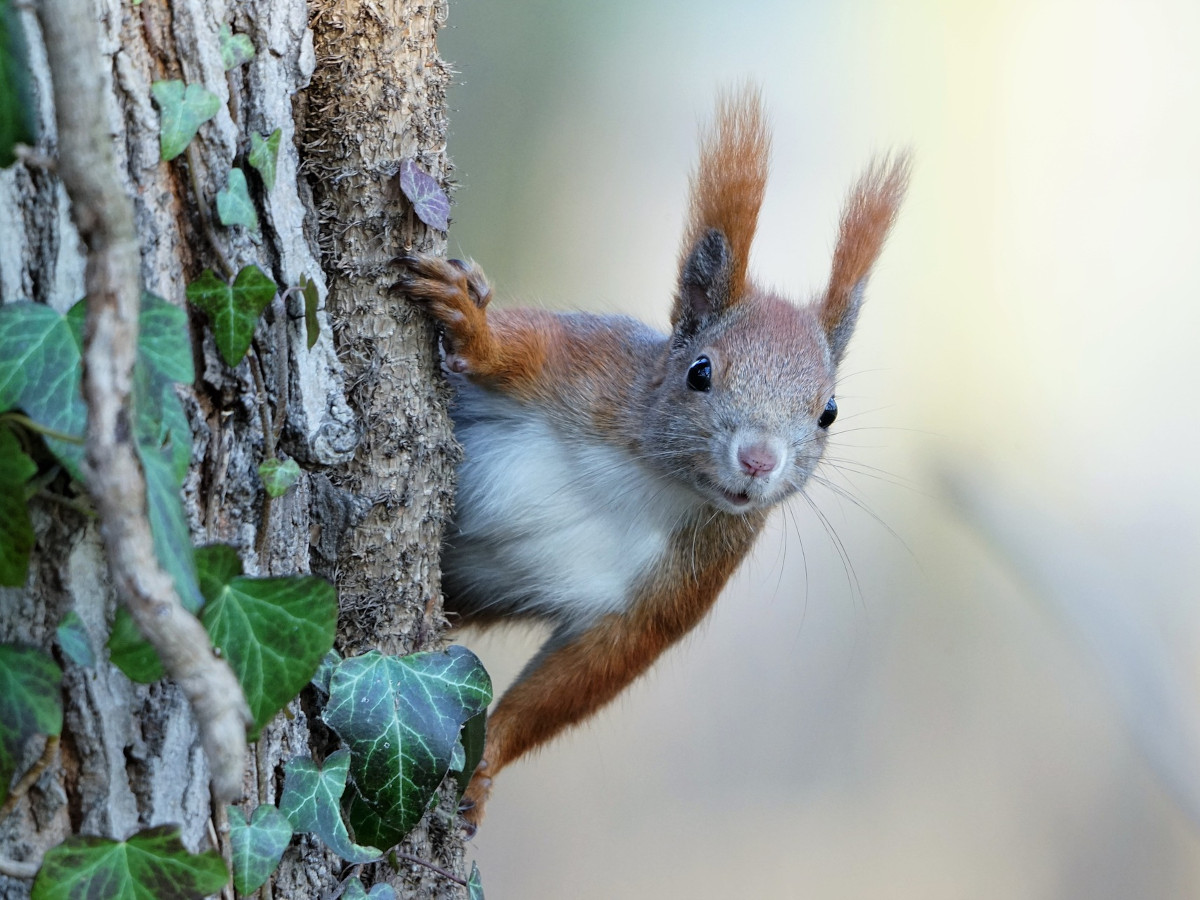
[130, 755]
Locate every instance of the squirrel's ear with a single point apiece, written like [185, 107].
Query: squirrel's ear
[704, 283]
[868, 216]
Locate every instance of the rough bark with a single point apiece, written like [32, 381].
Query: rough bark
[130, 755]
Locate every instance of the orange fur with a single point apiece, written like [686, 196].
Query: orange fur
[730, 180]
[867, 217]
[577, 679]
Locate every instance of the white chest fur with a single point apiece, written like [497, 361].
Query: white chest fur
[549, 524]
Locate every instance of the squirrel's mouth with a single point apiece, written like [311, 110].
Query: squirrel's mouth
[738, 500]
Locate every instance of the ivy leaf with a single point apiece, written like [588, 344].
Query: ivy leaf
[312, 801]
[234, 206]
[470, 742]
[18, 112]
[163, 341]
[429, 201]
[74, 641]
[16, 531]
[474, 883]
[401, 717]
[235, 48]
[258, 846]
[312, 325]
[132, 653]
[41, 373]
[233, 310]
[278, 475]
[151, 864]
[183, 109]
[324, 673]
[30, 703]
[272, 631]
[355, 891]
[168, 524]
[264, 155]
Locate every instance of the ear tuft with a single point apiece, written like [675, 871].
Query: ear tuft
[867, 218]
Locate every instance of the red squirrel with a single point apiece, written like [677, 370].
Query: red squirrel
[614, 477]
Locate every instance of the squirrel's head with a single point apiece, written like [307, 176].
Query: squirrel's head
[745, 400]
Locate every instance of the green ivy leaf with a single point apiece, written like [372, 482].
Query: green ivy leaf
[474, 883]
[354, 890]
[18, 112]
[234, 206]
[183, 109]
[470, 741]
[324, 673]
[312, 801]
[132, 653]
[258, 846]
[272, 631]
[74, 641]
[16, 531]
[401, 717]
[264, 155]
[41, 374]
[235, 48]
[278, 475]
[163, 341]
[168, 524]
[233, 310]
[30, 703]
[151, 865]
[312, 325]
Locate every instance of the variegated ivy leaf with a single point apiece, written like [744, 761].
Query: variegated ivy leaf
[264, 154]
[355, 891]
[429, 201]
[474, 883]
[151, 865]
[234, 206]
[312, 797]
[257, 846]
[182, 110]
[401, 718]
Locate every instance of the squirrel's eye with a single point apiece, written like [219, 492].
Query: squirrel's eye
[699, 377]
[828, 415]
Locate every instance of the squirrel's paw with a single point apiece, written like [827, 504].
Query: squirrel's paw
[456, 293]
[474, 799]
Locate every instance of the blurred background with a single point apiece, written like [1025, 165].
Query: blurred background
[978, 677]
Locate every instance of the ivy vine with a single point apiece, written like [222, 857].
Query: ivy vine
[406, 723]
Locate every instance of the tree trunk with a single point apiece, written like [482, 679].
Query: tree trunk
[377, 464]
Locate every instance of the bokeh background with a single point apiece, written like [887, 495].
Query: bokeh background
[971, 671]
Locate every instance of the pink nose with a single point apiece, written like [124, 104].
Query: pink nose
[757, 460]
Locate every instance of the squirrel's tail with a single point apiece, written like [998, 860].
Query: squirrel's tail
[728, 184]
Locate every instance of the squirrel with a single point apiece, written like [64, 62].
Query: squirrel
[614, 477]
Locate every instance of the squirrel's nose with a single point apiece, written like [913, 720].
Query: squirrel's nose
[757, 460]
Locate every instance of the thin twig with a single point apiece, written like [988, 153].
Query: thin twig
[26, 422]
[193, 160]
[219, 823]
[21, 788]
[103, 214]
[427, 864]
